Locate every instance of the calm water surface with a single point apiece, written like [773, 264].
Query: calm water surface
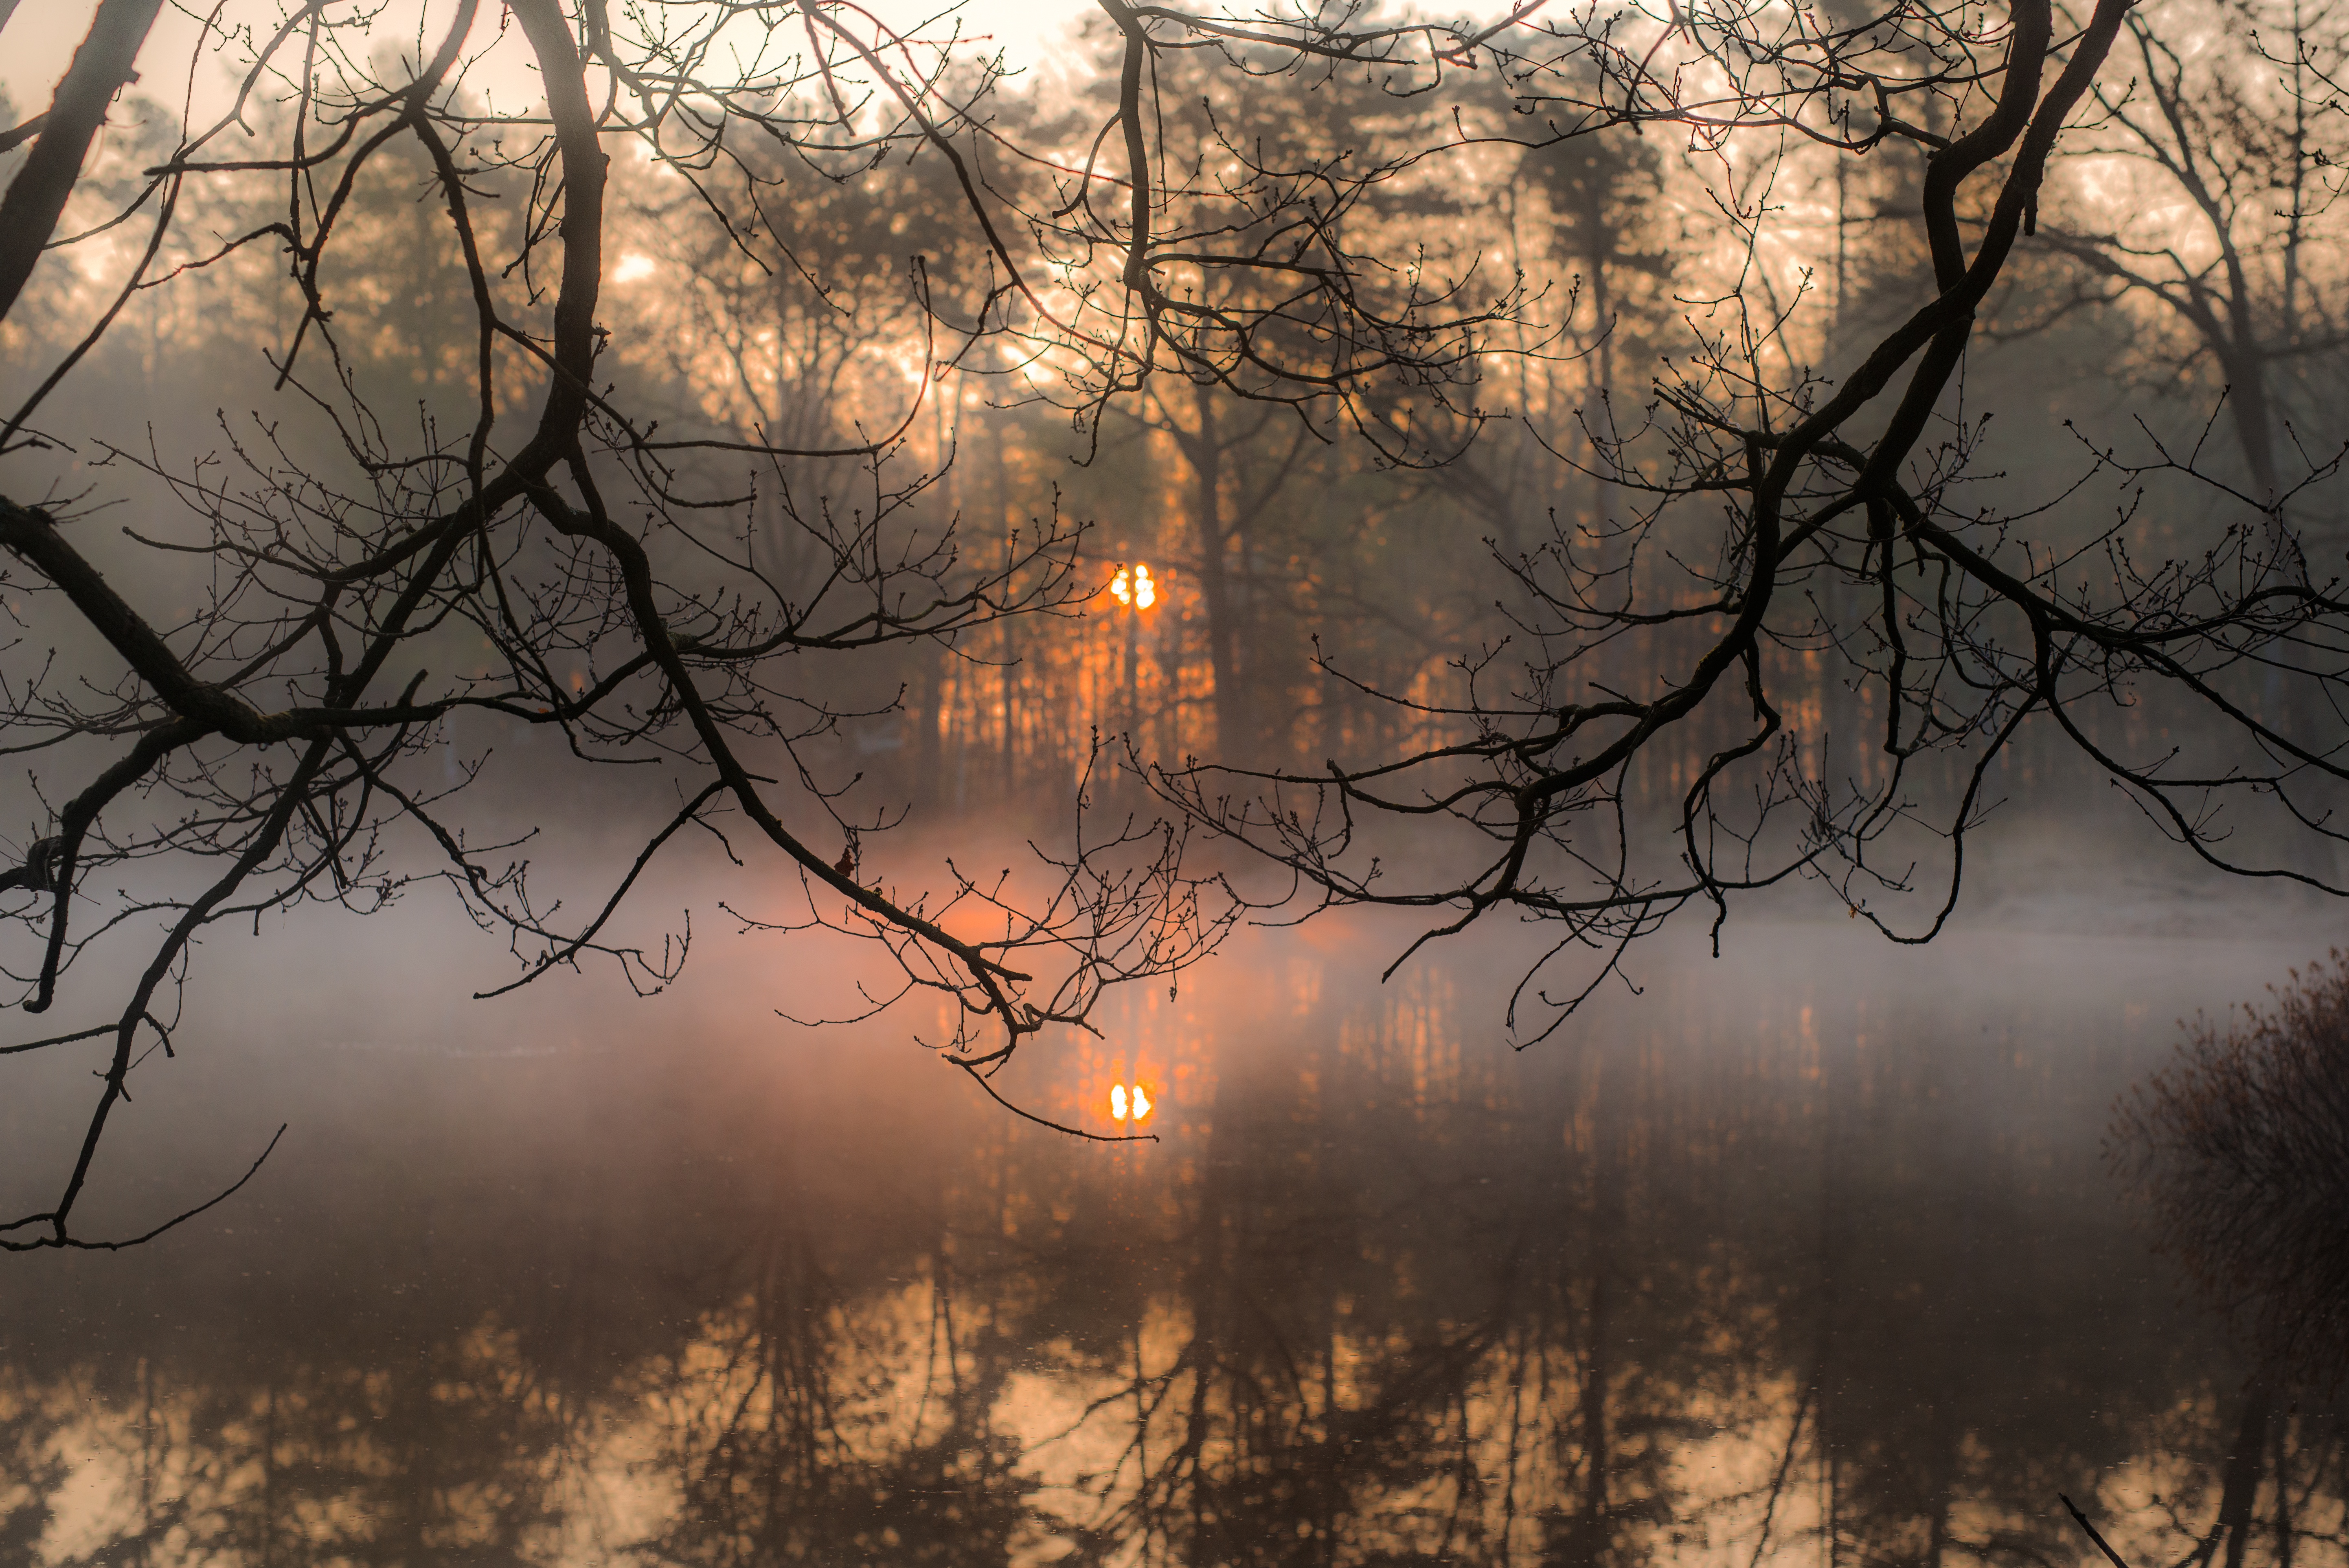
[1807, 1256]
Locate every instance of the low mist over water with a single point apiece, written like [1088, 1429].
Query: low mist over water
[1808, 1254]
[1330, 788]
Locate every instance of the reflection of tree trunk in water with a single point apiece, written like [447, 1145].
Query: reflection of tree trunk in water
[2239, 1488]
[1590, 1532]
[974, 1396]
[1833, 1477]
[1518, 1376]
[2243, 1482]
[2283, 1496]
[1937, 1534]
[1786, 1467]
[269, 1478]
[1210, 1285]
[1591, 1545]
[1333, 1451]
[408, 1524]
[1830, 1255]
[147, 1461]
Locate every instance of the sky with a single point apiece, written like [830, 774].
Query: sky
[39, 38]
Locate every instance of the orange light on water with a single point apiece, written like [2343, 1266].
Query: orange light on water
[1121, 1105]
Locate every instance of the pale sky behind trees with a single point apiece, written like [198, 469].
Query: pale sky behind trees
[41, 36]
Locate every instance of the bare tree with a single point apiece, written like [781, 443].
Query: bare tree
[619, 576]
[2241, 1144]
[2220, 119]
[273, 737]
[283, 738]
[1759, 495]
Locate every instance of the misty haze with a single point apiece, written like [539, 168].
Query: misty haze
[1129, 784]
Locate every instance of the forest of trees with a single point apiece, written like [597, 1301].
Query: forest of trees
[1587, 464]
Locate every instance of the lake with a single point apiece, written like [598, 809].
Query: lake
[1808, 1254]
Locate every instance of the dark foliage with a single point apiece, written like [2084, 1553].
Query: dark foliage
[2242, 1145]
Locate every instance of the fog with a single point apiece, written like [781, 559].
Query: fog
[658, 673]
[1808, 1249]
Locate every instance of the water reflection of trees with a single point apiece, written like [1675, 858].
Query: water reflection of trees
[461, 1452]
[1696, 1296]
[801, 1423]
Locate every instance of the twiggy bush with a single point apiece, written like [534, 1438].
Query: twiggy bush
[2242, 1147]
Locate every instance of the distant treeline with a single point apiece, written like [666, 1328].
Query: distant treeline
[1314, 600]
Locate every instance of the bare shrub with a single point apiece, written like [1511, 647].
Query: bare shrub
[2242, 1147]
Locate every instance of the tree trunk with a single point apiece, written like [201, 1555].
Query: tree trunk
[1206, 454]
